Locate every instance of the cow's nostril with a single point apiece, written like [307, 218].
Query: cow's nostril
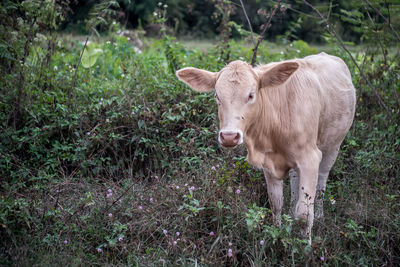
[222, 136]
[237, 137]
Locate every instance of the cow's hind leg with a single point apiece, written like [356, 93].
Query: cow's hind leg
[308, 179]
[294, 190]
[275, 195]
[328, 159]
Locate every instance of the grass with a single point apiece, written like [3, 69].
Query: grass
[114, 177]
[204, 45]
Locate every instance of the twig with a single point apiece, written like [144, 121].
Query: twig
[385, 19]
[395, 93]
[332, 30]
[118, 198]
[248, 21]
[379, 38]
[21, 77]
[262, 35]
[76, 72]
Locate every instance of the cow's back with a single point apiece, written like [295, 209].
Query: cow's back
[337, 98]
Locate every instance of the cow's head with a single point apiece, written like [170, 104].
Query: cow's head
[237, 89]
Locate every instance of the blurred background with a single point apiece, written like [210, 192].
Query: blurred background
[201, 19]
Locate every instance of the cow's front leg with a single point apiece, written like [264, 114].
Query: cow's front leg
[275, 195]
[294, 190]
[308, 179]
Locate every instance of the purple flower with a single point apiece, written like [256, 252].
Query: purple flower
[120, 239]
[322, 258]
[238, 191]
[88, 133]
[211, 233]
[230, 253]
[99, 250]
[110, 215]
[262, 242]
[165, 232]
[177, 187]
[175, 243]
[109, 195]
[151, 199]
[109, 191]
[140, 207]
[65, 242]
[230, 244]
[213, 168]
[178, 234]
[192, 188]
[133, 113]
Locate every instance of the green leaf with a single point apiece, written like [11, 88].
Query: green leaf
[90, 56]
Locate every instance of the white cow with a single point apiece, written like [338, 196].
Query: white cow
[292, 117]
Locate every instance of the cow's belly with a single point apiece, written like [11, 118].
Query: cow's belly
[334, 127]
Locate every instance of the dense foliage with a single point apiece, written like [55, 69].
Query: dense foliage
[202, 18]
[106, 159]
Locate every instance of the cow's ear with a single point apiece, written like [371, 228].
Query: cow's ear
[199, 80]
[278, 74]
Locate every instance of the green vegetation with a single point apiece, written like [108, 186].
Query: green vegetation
[107, 159]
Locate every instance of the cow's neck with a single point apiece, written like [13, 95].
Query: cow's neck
[264, 131]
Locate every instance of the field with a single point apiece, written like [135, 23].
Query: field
[118, 164]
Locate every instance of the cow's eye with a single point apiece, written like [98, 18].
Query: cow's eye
[251, 96]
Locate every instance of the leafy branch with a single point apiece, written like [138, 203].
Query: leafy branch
[265, 27]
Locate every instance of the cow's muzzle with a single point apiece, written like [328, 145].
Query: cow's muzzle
[230, 138]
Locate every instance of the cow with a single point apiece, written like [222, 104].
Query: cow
[292, 116]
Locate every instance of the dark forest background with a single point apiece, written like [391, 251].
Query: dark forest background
[201, 19]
